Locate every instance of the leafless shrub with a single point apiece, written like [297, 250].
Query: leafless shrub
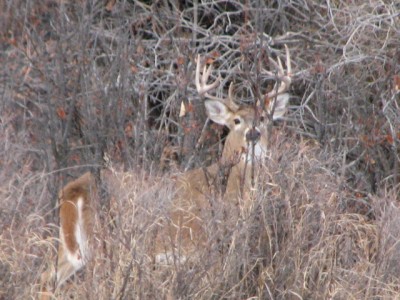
[82, 78]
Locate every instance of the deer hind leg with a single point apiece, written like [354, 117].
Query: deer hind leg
[65, 269]
[68, 262]
[52, 279]
[46, 281]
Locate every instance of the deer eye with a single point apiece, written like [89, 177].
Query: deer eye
[236, 121]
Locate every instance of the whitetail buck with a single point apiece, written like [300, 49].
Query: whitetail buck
[183, 234]
[77, 219]
[185, 229]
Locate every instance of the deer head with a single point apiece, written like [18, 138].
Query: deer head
[244, 127]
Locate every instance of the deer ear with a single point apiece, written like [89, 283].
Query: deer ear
[281, 106]
[217, 111]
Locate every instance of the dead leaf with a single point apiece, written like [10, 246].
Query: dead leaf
[61, 113]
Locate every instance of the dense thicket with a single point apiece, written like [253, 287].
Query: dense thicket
[84, 78]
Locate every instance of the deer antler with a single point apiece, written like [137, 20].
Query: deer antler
[284, 78]
[203, 88]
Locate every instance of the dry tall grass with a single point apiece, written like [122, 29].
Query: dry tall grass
[82, 78]
[297, 239]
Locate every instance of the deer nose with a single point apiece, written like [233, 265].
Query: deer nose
[253, 135]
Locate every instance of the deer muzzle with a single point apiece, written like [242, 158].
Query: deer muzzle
[253, 135]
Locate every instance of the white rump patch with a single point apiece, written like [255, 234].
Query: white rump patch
[79, 258]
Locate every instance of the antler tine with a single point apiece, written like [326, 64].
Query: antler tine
[203, 88]
[229, 102]
[232, 103]
[201, 83]
[285, 79]
[230, 93]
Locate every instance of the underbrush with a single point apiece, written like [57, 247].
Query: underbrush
[296, 239]
[83, 78]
